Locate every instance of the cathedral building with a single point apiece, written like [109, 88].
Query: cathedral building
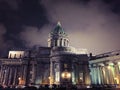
[59, 63]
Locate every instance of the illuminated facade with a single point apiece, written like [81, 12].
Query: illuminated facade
[59, 63]
[105, 69]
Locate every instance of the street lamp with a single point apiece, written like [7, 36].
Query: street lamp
[19, 79]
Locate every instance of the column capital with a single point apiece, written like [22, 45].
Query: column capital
[115, 63]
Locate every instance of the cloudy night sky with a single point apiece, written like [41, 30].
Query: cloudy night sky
[90, 24]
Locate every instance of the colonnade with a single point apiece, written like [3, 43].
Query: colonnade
[12, 74]
[105, 73]
[15, 74]
[58, 42]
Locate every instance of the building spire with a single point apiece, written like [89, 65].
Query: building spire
[58, 23]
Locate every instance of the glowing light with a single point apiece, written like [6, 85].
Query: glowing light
[111, 64]
[16, 54]
[108, 67]
[50, 80]
[63, 75]
[19, 78]
[117, 80]
[79, 51]
[49, 77]
[87, 86]
[80, 78]
[66, 75]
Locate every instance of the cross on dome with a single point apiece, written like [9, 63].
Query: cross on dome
[58, 23]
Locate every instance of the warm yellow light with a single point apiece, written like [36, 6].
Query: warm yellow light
[16, 54]
[63, 75]
[117, 80]
[108, 67]
[66, 75]
[80, 78]
[49, 77]
[19, 78]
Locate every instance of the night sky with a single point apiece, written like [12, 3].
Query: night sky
[90, 24]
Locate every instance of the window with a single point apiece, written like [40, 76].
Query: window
[65, 65]
[57, 76]
[55, 42]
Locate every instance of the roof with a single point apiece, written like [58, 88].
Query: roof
[58, 30]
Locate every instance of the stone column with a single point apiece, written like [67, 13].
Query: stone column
[5, 75]
[24, 72]
[102, 74]
[117, 76]
[1, 74]
[105, 77]
[116, 68]
[63, 42]
[93, 74]
[33, 72]
[106, 73]
[110, 73]
[15, 74]
[10, 76]
[98, 75]
[51, 72]
[67, 42]
[87, 74]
